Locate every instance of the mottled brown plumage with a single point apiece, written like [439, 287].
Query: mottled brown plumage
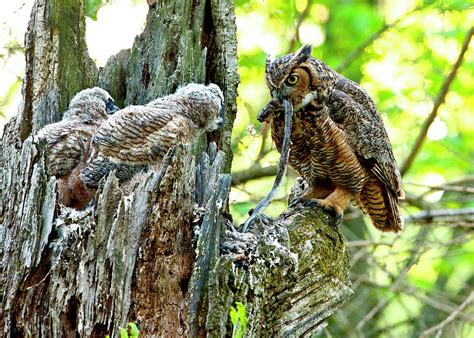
[338, 141]
[68, 143]
[140, 136]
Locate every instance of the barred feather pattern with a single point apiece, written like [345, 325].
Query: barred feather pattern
[68, 140]
[138, 137]
[98, 167]
[68, 143]
[338, 140]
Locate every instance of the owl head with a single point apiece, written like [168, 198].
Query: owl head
[299, 78]
[204, 105]
[91, 103]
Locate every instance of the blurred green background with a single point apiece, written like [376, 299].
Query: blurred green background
[421, 281]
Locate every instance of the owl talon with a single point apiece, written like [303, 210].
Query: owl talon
[311, 203]
[332, 210]
[305, 202]
[317, 203]
[295, 202]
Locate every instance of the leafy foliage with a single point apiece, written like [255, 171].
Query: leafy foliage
[401, 53]
[93, 6]
[131, 331]
[238, 318]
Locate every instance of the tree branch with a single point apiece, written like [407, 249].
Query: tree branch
[444, 187]
[430, 214]
[359, 50]
[438, 328]
[439, 101]
[384, 301]
[296, 35]
[254, 172]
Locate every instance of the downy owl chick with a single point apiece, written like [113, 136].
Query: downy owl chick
[68, 143]
[140, 136]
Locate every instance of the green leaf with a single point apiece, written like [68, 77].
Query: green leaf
[123, 333]
[93, 6]
[130, 331]
[133, 330]
[239, 320]
[233, 316]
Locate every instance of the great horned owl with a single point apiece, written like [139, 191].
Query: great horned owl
[68, 143]
[140, 136]
[338, 141]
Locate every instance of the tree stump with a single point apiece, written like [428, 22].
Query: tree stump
[153, 253]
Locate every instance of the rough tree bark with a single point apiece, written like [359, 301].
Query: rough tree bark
[154, 255]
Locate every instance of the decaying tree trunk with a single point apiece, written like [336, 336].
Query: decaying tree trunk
[163, 254]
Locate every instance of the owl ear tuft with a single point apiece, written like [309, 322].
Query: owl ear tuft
[301, 55]
[269, 61]
[304, 51]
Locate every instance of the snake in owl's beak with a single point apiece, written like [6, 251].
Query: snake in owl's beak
[285, 155]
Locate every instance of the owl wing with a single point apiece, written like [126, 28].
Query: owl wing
[67, 144]
[97, 167]
[138, 135]
[355, 112]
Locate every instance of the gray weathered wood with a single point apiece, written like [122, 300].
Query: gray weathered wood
[291, 274]
[149, 250]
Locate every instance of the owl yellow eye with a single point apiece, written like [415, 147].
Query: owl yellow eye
[292, 79]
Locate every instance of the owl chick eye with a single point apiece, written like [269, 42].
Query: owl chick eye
[292, 79]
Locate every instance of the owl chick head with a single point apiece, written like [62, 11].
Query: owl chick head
[91, 103]
[299, 77]
[204, 105]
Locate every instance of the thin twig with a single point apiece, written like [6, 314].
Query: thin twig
[417, 201]
[459, 155]
[366, 243]
[462, 181]
[389, 328]
[433, 303]
[263, 149]
[439, 101]
[443, 187]
[430, 214]
[436, 303]
[254, 172]
[399, 280]
[299, 21]
[439, 327]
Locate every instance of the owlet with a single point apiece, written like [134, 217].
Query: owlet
[68, 143]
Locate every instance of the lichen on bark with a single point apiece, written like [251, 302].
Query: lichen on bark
[151, 251]
[296, 275]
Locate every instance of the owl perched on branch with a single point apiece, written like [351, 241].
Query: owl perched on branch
[68, 143]
[338, 141]
[138, 137]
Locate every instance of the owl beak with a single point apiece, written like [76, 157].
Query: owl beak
[113, 110]
[221, 116]
[219, 123]
[110, 107]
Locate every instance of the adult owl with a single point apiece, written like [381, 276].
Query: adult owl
[68, 143]
[139, 137]
[338, 141]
